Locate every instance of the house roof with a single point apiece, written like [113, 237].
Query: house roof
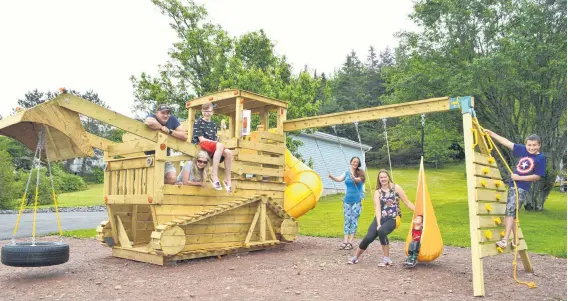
[333, 139]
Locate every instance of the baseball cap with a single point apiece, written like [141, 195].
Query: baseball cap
[164, 108]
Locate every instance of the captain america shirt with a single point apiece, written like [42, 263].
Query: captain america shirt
[529, 164]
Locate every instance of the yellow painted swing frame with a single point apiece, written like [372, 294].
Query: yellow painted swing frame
[486, 191]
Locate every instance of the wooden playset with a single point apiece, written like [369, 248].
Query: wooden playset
[153, 222]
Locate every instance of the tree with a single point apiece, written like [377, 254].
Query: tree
[510, 55]
[21, 155]
[7, 194]
[205, 60]
[34, 98]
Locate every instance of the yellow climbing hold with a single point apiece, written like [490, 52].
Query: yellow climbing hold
[497, 221]
[498, 196]
[491, 160]
[498, 183]
[485, 170]
[488, 234]
[488, 207]
[502, 233]
[483, 183]
[500, 249]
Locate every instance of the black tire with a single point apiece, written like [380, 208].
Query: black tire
[42, 254]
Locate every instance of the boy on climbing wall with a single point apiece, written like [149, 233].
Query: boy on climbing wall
[530, 168]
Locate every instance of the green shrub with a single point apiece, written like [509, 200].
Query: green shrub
[62, 182]
[96, 176]
[7, 191]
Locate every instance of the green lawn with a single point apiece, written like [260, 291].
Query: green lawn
[545, 232]
[92, 196]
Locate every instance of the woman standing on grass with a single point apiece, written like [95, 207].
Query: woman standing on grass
[387, 198]
[354, 180]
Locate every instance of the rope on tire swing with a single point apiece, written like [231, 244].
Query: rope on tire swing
[36, 253]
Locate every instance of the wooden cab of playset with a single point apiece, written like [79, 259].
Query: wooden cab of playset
[154, 222]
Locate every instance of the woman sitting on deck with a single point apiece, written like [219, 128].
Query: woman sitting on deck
[194, 172]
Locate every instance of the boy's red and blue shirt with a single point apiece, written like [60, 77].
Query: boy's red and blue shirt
[528, 164]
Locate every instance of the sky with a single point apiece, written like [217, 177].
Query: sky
[99, 45]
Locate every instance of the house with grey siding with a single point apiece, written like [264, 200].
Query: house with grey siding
[330, 157]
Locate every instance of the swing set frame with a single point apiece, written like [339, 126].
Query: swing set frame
[486, 192]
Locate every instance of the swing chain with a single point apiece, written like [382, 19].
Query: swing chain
[35, 163]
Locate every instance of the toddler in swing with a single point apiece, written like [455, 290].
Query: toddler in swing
[414, 246]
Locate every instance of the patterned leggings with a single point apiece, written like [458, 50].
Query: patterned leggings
[351, 213]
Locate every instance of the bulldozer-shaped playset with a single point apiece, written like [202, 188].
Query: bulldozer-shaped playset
[157, 223]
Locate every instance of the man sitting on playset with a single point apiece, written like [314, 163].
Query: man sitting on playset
[205, 135]
[164, 121]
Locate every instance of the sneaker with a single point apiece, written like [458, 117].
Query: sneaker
[216, 185]
[502, 243]
[386, 261]
[353, 260]
[412, 263]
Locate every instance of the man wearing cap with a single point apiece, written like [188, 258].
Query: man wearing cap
[164, 121]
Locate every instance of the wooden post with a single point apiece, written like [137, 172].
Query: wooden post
[108, 181]
[264, 114]
[190, 121]
[231, 125]
[280, 118]
[526, 261]
[134, 222]
[238, 117]
[476, 262]
[262, 221]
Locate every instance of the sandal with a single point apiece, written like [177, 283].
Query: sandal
[353, 260]
[502, 243]
[343, 246]
[349, 246]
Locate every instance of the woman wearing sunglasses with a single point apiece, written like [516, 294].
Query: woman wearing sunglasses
[194, 172]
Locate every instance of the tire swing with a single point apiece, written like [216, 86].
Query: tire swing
[35, 253]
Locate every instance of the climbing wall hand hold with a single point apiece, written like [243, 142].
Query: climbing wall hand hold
[488, 207]
[488, 234]
[497, 220]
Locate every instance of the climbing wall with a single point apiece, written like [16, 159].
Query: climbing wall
[487, 198]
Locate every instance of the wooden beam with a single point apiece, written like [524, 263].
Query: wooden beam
[267, 100]
[197, 102]
[253, 223]
[388, 111]
[122, 236]
[476, 262]
[89, 109]
[99, 142]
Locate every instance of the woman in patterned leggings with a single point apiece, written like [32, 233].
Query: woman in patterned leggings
[354, 179]
[387, 206]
